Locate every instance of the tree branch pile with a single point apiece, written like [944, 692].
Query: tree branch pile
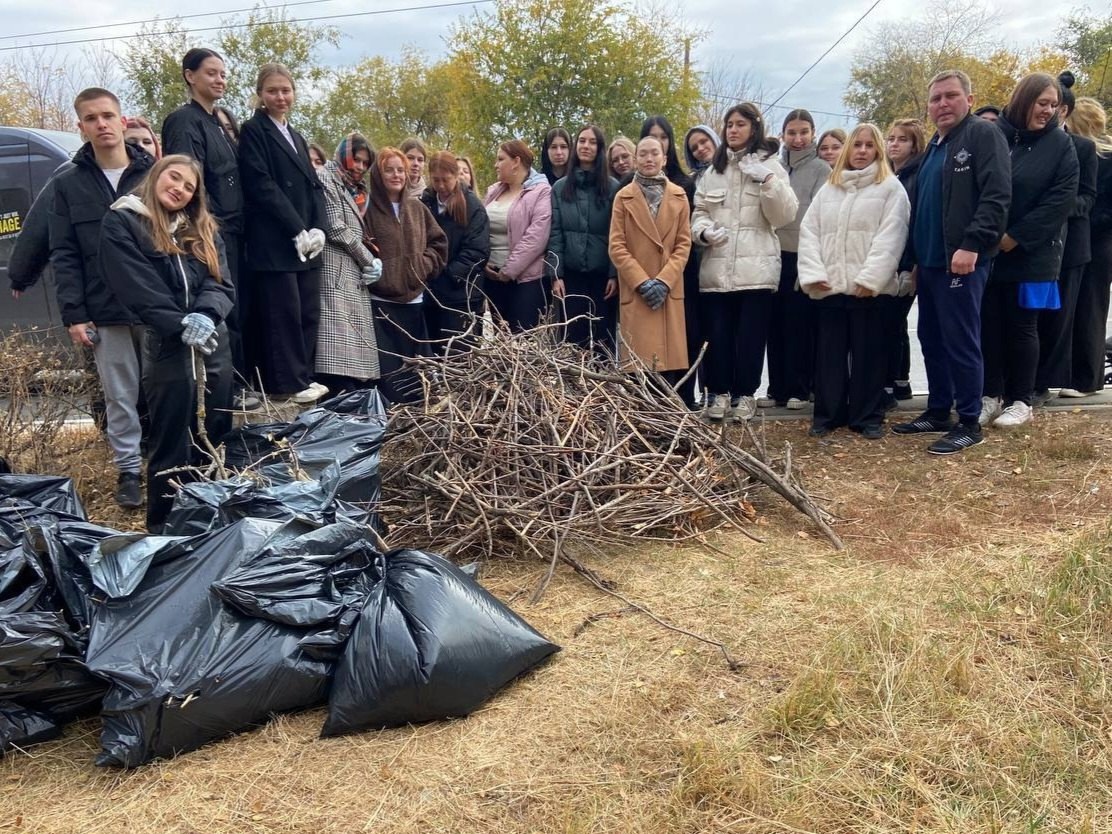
[529, 446]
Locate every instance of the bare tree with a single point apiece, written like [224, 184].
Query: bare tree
[47, 87]
[723, 84]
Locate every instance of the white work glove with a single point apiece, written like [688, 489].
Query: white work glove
[301, 244]
[209, 346]
[371, 274]
[752, 166]
[315, 243]
[716, 236]
[905, 284]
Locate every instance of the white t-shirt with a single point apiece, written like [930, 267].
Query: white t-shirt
[113, 176]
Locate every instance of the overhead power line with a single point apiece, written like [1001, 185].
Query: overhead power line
[152, 20]
[251, 25]
[818, 60]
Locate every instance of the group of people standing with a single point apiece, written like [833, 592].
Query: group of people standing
[248, 257]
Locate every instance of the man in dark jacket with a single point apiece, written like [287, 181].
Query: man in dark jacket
[105, 168]
[31, 252]
[959, 207]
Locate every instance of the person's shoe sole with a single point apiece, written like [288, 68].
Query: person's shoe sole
[956, 450]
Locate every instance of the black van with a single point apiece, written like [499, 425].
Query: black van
[28, 157]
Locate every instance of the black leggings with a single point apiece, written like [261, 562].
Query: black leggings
[1010, 343]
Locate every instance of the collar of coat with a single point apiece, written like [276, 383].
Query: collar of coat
[671, 205]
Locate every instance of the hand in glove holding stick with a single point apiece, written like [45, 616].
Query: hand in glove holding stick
[716, 236]
[210, 345]
[199, 329]
[372, 273]
[752, 166]
[905, 284]
[654, 291]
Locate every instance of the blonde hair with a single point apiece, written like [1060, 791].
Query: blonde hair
[265, 71]
[1089, 119]
[196, 231]
[883, 169]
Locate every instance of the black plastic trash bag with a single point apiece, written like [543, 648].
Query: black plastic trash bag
[185, 667]
[209, 505]
[49, 492]
[430, 644]
[44, 682]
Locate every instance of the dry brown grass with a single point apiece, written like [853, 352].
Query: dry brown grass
[948, 673]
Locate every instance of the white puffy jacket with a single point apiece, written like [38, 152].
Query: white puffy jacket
[751, 212]
[853, 235]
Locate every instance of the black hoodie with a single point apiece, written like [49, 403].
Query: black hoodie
[1044, 188]
[82, 196]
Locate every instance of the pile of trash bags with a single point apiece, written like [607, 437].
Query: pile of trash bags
[266, 594]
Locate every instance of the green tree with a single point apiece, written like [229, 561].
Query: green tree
[1087, 41]
[526, 66]
[152, 62]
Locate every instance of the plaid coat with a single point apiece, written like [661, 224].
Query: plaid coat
[346, 343]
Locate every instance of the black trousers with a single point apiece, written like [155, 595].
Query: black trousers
[1009, 343]
[1090, 320]
[693, 321]
[736, 331]
[589, 319]
[401, 334]
[899, 345]
[1056, 334]
[233, 249]
[791, 336]
[285, 316]
[851, 361]
[171, 392]
[519, 305]
[447, 319]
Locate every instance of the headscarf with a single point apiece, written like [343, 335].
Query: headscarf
[356, 185]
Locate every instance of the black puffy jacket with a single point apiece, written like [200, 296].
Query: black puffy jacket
[193, 131]
[1078, 238]
[159, 288]
[1044, 188]
[82, 196]
[468, 249]
[580, 236]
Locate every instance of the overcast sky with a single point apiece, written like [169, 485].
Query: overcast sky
[773, 41]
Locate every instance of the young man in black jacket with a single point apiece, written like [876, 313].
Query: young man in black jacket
[959, 207]
[104, 168]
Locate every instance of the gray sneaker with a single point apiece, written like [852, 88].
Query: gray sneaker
[744, 409]
[991, 408]
[718, 406]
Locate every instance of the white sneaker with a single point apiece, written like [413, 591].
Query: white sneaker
[1073, 393]
[991, 409]
[718, 406]
[795, 404]
[744, 409]
[1014, 415]
[766, 402]
[309, 395]
[321, 390]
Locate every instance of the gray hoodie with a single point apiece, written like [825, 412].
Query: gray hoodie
[807, 174]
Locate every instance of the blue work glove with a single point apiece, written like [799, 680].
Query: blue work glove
[654, 291]
[371, 274]
[199, 328]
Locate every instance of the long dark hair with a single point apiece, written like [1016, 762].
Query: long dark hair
[672, 168]
[599, 172]
[549, 138]
[1024, 96]
[758, 139]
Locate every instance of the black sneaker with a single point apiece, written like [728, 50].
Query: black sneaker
[1040, 398]
[819, 431]
[890, 402]
[128, 493]
[872, 432]
[958, 439]
[925, 423]
[902, 392]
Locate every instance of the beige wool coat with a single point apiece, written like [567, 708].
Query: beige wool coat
[643, 247]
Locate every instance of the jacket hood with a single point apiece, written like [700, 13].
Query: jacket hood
[86, 157]
[793, 159]
[535, 178]
[1016, 134]
[130, 202]
[692, 163]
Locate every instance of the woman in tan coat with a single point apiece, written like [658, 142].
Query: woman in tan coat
[650, 238]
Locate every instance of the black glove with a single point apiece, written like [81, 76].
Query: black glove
[654, 291]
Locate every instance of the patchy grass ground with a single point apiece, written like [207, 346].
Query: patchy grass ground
[948, 672]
